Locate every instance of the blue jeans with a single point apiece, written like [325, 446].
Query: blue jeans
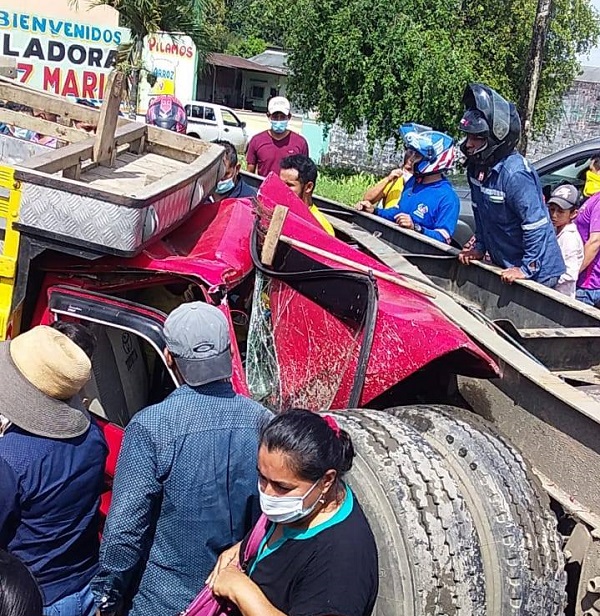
[78, 604]
[588, 296]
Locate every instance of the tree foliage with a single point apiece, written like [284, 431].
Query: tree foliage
[387, 62]
[246, 47]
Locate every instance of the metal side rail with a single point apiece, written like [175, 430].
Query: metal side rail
[555, 425]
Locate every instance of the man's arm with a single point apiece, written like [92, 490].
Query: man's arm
[389, 213]
[523, 197]
[445, 220]
[376, 193]
[590, 249]
[251, 156]
[124, 542]
[304, 149]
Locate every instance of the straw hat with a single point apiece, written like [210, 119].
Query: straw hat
[40, 371]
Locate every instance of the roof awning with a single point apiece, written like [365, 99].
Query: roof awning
[227, 61]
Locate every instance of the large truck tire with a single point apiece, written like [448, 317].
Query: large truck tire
[521, 549]
[430, 560]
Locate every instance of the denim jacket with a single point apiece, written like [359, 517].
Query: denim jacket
[185, 489]
[512, 221]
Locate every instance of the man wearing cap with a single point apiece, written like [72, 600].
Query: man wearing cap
[267, 149]
[186, 483]
[51, 467]
[563, 205]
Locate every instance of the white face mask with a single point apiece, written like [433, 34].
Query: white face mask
[286, 509]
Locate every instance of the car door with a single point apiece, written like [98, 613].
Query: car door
[202, 122]
[129, 370]
[210, 124]
[233, 130]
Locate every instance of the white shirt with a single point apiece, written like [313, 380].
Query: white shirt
[571, 247]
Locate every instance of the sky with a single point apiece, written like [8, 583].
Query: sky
[594, 58]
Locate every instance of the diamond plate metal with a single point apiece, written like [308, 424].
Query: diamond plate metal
[107, 224]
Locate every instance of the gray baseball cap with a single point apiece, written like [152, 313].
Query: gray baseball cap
[566, 196]
[197, 336]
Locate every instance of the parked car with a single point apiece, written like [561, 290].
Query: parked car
[567, 165]
[209, 122]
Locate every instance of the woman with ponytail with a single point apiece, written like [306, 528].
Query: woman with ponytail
[318, 557]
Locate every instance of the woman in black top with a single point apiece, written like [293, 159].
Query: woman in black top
[319, 556]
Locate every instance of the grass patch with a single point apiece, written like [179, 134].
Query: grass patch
[344, 186]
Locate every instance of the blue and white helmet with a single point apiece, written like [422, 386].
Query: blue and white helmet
[436, 148]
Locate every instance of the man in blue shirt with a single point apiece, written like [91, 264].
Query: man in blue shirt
[428, 204]
[186, 482]
[511, 220]
[231, 184]
[51, 467]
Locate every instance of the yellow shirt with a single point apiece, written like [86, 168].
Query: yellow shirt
[392, 192]
[314, 210]
[592, 183]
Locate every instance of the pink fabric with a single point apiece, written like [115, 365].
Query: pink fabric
[267, 153]
[333, 424]
[205, 603]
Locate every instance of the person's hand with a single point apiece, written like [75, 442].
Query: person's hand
[470, 254]
[405, 221]
[511, 274]
[366, 206]
[227, 558]
[394, 174]
[230, 582]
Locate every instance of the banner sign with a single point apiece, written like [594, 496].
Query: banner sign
[68, 58]
[172, 59]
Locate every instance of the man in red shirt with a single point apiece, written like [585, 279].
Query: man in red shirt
[267, 149]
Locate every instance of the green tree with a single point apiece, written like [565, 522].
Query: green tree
[389, 62]
[246, 47]
[146, 17]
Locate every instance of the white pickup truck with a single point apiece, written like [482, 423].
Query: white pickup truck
[209, 122]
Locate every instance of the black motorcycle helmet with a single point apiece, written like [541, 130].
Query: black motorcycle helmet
[493, 117]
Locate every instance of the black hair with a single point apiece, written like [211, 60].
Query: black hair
[18, 107]
[311, 444]
[19, 592]
[306, 168]
[230, 151]
[81, 335]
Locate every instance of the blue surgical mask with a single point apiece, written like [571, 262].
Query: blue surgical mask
[224, 186]
[279, 126]
[286, 509]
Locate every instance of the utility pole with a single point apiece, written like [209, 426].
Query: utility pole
[533, 68]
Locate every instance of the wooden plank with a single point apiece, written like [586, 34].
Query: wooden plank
[273, 235]
[8, 67]
[130, 132]
[75, 153]
[23, 95]
[73, 173]
[63, 158]
[41, 126]
[104, 146]
[169, 152]
[177, 141]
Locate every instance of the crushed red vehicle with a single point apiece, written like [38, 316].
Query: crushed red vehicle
[116, 243]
